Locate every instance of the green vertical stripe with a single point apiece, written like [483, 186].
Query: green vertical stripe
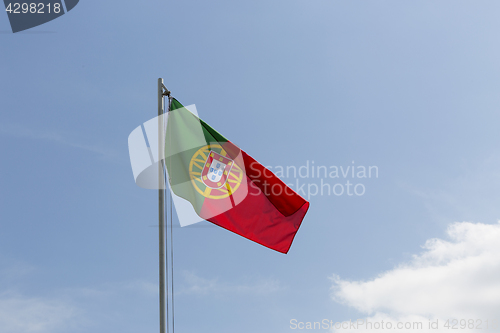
[185, 135]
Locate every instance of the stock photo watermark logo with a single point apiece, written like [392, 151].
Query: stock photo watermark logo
[201, 174]
[361, 324]
[368, 324]
[25, 15]
[208, 175]
[310, 180]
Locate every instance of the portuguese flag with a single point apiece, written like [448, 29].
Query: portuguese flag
[226, 186]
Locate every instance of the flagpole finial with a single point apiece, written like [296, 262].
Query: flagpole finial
[164, 90]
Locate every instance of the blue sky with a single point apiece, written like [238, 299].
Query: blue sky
[410, 87]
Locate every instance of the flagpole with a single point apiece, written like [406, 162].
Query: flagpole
[162, 91]
[161, 208]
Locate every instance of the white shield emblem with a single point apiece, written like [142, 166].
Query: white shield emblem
[215, 171]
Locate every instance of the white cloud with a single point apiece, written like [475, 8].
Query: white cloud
[107, 307]
[20, 314]
[457, 278]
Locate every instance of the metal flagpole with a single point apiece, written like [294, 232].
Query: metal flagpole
[161, 210]
[170, 217]
[162, 91]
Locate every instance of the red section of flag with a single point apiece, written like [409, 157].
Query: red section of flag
[270, 214]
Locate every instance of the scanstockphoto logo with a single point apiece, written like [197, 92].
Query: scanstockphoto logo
[25, 15]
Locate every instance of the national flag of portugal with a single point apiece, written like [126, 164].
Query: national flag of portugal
[228, 187]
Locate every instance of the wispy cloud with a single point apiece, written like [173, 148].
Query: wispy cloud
[146, 288]
[455, 278]
[194, 284]
[59, 310]
[18, 131]
[20, 314]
